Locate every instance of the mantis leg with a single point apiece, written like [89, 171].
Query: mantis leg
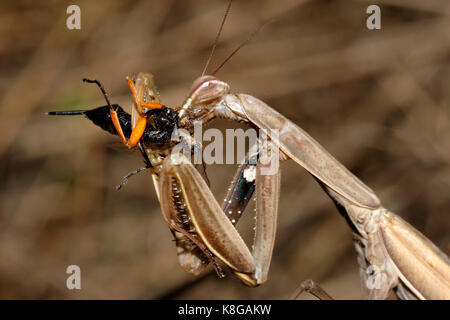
[313, 288]
[211, 225]
[391, 253]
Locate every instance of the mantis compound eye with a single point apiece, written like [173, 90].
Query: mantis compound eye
[207, 90]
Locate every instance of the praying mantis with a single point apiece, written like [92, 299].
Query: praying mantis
[391, 253]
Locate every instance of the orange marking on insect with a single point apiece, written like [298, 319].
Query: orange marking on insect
[133, 90]
[116, 122]
[152, 105]
[137, 132]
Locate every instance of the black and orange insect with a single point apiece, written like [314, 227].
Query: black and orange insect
[156, 128]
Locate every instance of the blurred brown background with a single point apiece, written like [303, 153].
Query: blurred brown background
[377, 100]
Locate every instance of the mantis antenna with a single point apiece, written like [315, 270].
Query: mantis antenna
[236, 50]
[217, 38]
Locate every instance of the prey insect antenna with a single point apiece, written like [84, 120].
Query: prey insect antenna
[239, 47]
[217, 38]
[101, 88]
[65, 113]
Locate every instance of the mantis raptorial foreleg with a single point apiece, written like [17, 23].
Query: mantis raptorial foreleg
[214, 228]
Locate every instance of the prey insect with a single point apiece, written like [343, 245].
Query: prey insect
[155, 127]
[154, 131]
[391, 253]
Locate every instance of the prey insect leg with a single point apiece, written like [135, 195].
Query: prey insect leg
[112, 111]
[148, 165]
[144, 105]
[139, 129]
